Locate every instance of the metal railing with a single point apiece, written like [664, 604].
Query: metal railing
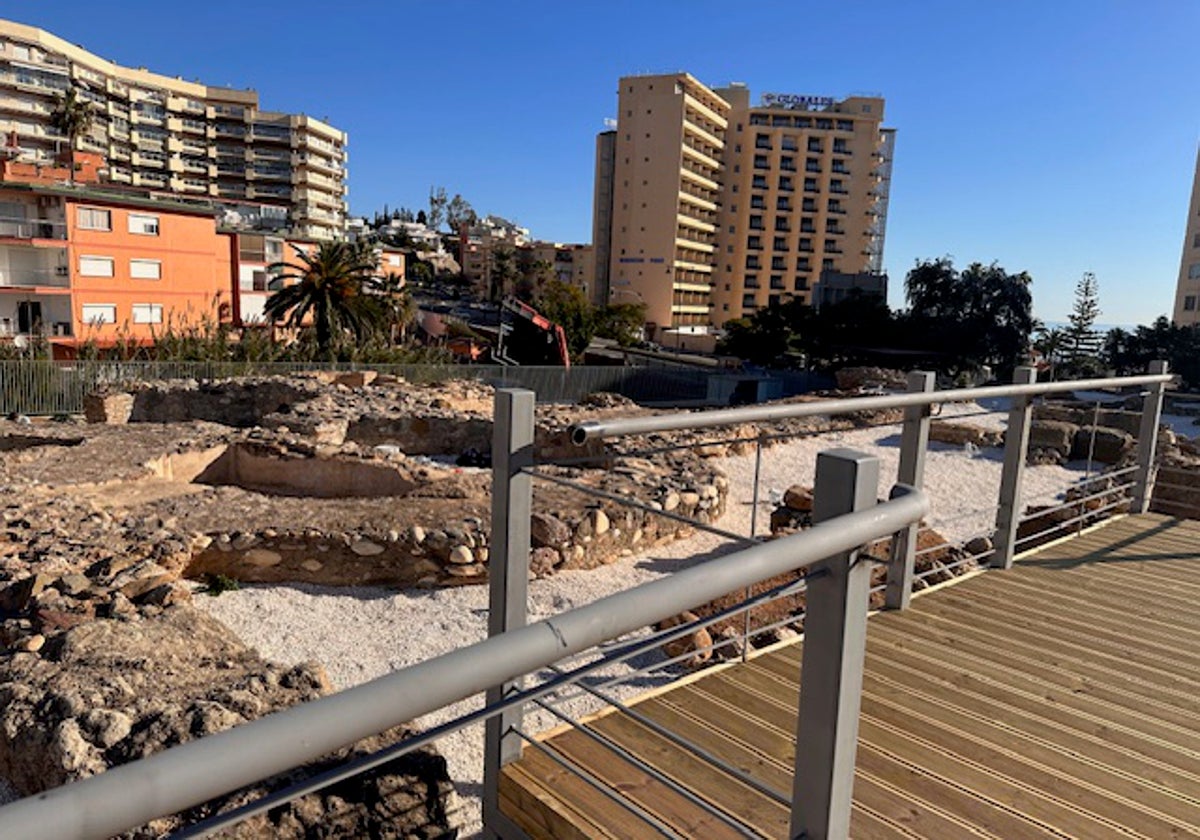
[566, 657]
[130, 795]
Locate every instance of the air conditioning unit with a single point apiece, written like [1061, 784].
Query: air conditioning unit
[61, 271]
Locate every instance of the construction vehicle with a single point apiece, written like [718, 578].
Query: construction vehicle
[527, 337]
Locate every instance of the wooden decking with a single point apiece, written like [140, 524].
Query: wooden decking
[1058, 699]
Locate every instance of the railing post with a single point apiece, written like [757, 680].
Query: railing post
[1147, 444]
[914, 440]
[508, 582]
[831, 674]
[1016, 446]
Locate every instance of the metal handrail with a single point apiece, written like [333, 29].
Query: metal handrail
[581, 433]
[179, 778]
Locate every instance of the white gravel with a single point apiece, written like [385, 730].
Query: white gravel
[359, 634]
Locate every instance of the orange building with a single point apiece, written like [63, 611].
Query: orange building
[78, 264]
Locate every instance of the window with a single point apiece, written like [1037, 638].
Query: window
[779, 244]
[760, 162]
[1189, 303]
[783, 203]
[1196, 241]
[756, 223]
[748, 301]
[99, 313]
[145, 269]
[754, 243]
[1193, 271]
[143, 223]
[777, 281]
[814, 144]
[394, 260]
[751, 281]
[95, 266]
[759, 182]
[758, 202]
[147, 313]
[93, 218]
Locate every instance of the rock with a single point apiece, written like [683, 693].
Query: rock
[16, 597]
[979, 547]
[243, 541]
[105, 727]
[472, 571]
[799, 498]
[110, 409]
[32, 644]
[688, 500]
[787, 520]
[312, 565]
[164, 595]
[548, 530]
[366, 548]
[460, 555]
[262, 557]
[542, 561]
[670, 501]
[1111, 445]
[960, 434]
[1053, 435]
[356, 379]
[698, 642]
[417, 533]
[73, 585]
[599, 519]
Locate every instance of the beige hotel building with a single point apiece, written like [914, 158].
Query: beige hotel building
[163, 136]
[1187, 289]
[709, 207]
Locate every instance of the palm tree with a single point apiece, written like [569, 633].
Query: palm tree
[400, 308]
[330, 284]
[72, 117]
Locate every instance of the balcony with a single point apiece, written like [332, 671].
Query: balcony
[28, 278]
[17, 228]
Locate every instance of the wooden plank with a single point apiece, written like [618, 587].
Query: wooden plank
[980, 811]
[1125, 659]
[549, 800]
[1127, 648]
[981, 655]
[715, 786]
[636, 785]
[1041, 806]
[923, 689]
[1086, 785]
[1161, 742]
[704, 726]
[1139, 619]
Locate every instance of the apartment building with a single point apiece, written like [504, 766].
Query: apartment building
[167, 137]
[81, 264]
[720, 206]
[1187, 288]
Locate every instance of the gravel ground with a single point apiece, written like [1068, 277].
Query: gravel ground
[360, 634]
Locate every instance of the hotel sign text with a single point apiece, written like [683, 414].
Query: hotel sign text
[795, 101]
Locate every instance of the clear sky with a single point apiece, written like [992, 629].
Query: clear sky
[1055, 137]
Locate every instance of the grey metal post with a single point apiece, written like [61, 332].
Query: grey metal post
[914, 440]
[1147, 445]
[1016, 446]
[508, 582]
[831, 674]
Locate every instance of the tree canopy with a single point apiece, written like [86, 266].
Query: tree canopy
[982, 315]
[330, 285]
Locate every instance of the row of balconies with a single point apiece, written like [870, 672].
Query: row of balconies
[13, 227]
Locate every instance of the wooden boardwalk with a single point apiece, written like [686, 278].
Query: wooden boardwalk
[1058, 699]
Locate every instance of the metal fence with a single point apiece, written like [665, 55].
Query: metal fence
[50, 388]
[525, 666]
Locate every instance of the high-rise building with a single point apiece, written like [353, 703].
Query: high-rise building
[166, 137]
[720, 207]
[1187, 288]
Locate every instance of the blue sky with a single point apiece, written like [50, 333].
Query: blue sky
[1054, 137]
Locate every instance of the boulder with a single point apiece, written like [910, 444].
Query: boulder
[548, 530]
[698, 642]
[960, 434]
[1111, 446]
[799, 498]
[110, 409]
[1055, 435]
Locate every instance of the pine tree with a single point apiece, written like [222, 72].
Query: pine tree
[1082, 343]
